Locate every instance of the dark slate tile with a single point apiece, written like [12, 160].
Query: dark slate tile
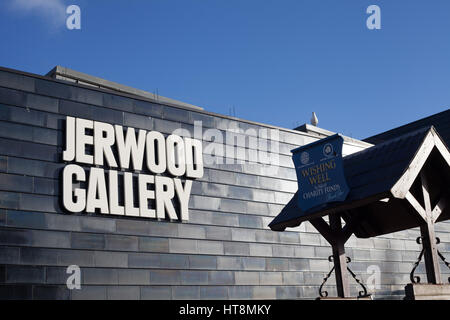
[25, 274]
[111, 259]
[34, 167]
[236, 248]
[202, 262]
[52, 89]
[123, 293]
[85, 95]
[133, 227]
[191, 231]
[26, 116]
[156, 293]
[34, 220]
[264, 292]
[90, 293]
[251, 263]
[277, 264]
[43, 103]
[121, 243]
[142, 260]
[38, 256]
[51, 293]
[31, 150]
[240, 292]
[58, 275]
[107, 115]
[162, 228]
[15, 237]
[247, 221]
[9, 255]
[147, 108]
[16, 292]
[46, 186]
[16, 131]
[99, 276]
[229, 263]
[165, 126]
[87, 241]
[2, 274]
[9, 200]
[185, 292]
[298, 264]
[289, 237]
[18, 81]
[137, 121]
[55, 121]
[81, 258]
[100, 224]
[214, 293]
[134, 276]
[75, 109]
[291, 292]
[174, 261]
[117, 102]
[47, 136]
[2, 217]
[165, 277]
[221, 277]
[33, 202]
[5, 112]
[12, 97]
[194, 277]
[50, 239]
[153, 244]
[206, 120]
[3, 163]
[63, 222]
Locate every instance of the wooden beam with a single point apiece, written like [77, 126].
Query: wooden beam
[339, 258]
[402, 186]
[441, 147]
[324, 229]
[442, 204]
[416, 205]
[349, 228]
[429, 237]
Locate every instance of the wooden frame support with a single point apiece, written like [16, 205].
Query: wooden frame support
[337, 237]
[429, 217]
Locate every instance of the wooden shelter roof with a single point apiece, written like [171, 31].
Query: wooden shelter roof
[384, 185]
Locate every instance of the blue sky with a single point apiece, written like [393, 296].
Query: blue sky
[274, 61]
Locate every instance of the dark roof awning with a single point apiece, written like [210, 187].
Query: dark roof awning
[384, 182]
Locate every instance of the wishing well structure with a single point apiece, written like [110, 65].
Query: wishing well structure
[400, 184]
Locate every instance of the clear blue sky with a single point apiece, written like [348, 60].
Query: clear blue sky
[274, 61]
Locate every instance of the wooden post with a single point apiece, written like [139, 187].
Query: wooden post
[429, 237]
[339, 258]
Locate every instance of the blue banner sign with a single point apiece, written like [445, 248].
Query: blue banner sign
[320, 172]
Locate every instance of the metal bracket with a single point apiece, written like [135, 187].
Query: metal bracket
[324, 293]
[416, 279]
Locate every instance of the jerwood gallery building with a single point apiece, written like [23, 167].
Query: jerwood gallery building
[110, 192]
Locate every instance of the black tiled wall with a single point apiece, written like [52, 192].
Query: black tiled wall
[224, 251]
